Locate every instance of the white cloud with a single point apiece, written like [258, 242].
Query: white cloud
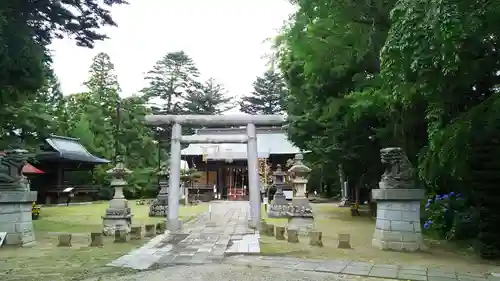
[225, 38]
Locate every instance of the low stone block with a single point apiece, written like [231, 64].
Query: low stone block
[121, 236]
[160, 228]
[269, 231]
[150, 230]
[96, 239]
[136, 232]
[316, 238]
[344, 241]
[293, 235]
[279, 232]
[263, 225]
[64, 240]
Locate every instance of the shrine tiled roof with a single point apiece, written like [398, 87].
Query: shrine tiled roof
[68, 149]
[269, 141]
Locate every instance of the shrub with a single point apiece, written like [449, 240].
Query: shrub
[444, 213]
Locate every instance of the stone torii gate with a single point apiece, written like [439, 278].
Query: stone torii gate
[250, 138]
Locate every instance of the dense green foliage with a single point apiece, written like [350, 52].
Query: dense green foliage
[421, 75]
[26, 29]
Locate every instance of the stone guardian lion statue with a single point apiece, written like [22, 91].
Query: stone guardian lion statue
[399, 173]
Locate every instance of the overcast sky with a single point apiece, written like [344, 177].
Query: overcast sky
[225, 38]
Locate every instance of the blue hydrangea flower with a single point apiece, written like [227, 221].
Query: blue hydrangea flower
[426, 225]
[445, 196]
[452, 193]
[427, 206]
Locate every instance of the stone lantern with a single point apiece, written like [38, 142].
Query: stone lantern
[299, 181]
[279, 183]
[279, 206]
[160, 205]
[15, 199]
[300, 211]
[118, 215]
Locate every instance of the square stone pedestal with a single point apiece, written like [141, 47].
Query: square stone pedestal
[159, 207]
[278, 210]
[300, 216]
[398, 219]
[116, 219]
[279, 207]
[15, 217]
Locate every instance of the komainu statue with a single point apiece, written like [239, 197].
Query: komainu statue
[11, 165]
[399, 172]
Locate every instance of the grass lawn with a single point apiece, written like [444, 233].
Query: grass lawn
[332, 220]
[47, 262]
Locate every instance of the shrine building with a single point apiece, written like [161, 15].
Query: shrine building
[223, 167]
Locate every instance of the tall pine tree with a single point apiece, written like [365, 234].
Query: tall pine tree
[268, 95]
[172, 76]
[169, 80]
[206, 98]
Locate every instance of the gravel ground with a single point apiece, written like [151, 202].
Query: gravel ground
[226, 272]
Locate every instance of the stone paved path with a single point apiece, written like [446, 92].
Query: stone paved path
[204, 240]
[407, 272]
[208, 241]
[229, 272]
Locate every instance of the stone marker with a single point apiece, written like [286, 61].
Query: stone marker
[64, 240]
[279, 232]
[344, 241]
[121, 236]
[398, 204]
[96, 239]
[315, 238]
[136, 232]
[293, 235]
[269, 230]
[150, 230]
[160, 227]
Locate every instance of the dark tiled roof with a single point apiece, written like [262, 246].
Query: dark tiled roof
[69, 149]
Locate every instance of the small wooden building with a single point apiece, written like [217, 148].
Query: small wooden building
[68, 167]
[224, 168]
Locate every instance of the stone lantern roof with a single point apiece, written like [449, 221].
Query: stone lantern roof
[279, 175]
[298, 168]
